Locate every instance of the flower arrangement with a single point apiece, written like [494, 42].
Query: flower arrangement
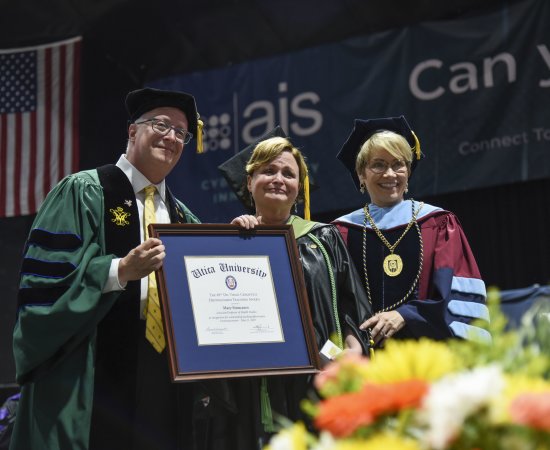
[429, 395]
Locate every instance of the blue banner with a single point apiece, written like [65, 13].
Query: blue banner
[475, 91]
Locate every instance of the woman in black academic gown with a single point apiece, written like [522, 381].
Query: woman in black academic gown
[274, 179]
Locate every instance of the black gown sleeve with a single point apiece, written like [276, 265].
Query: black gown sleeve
[352, 305]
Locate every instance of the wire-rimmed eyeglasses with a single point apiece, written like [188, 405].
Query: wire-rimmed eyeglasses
[383, 166]
[159, 126]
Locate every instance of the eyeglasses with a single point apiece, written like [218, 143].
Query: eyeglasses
[380, 167]
[162, 128]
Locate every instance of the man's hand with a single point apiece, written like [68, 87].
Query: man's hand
[141, 260]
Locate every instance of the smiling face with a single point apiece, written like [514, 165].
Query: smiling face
[386, 188]
[152, 154]
[275, 184]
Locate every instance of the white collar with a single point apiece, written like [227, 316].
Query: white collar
[137, 179]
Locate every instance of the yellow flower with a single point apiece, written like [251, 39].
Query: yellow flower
[377, 442]
[519, 384]
[405, 360]
[292, 438]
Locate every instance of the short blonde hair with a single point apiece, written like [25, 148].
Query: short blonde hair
[395, 144]
[266, 151]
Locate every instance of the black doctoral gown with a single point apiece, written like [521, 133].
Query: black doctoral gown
[232, 409]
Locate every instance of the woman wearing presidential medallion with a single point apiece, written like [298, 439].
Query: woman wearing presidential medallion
[418, 270]
[270, 177]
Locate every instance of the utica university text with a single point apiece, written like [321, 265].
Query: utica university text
[224, 267]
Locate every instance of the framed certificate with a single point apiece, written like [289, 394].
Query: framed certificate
[234, 302]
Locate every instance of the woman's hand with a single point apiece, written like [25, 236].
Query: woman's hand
[352, 345]
[384, 325]
[247, 221]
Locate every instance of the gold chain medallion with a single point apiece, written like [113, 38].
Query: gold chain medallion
[393, 265]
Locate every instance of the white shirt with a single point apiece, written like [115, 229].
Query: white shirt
[139, 182]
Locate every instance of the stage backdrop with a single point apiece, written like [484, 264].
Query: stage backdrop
[476, 92]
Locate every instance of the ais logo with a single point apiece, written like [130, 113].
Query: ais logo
[297, 115]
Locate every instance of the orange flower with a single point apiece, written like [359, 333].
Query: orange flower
[407, 394]
[532, 410]
[343, 414]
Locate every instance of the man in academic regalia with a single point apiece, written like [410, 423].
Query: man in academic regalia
[91, 376]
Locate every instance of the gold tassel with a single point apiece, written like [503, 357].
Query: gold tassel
[307, 214]
[200, 126]
[416, 146]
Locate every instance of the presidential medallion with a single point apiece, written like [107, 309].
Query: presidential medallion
[393, 265]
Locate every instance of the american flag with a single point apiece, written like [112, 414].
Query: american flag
[39, 103]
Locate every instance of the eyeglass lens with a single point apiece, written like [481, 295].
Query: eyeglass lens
[163, 128]
[382, 166]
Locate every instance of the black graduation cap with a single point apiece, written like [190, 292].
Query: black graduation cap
[364, 129]
[234, 169]
[140, 101]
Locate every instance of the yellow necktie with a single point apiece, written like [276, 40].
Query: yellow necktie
[154, 331]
